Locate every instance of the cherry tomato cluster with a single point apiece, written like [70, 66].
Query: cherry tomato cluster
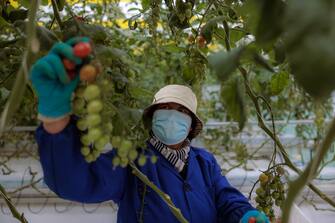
[88, 72]
[200, 40]
[88, 105]
[271, 190]
[94, 115]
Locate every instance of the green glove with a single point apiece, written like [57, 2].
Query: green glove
[254, 216]
[50, 80]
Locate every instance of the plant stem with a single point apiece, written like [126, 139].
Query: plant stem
[309, 173]
[175, 211]
[22, 75]
[282, 150]
[203, 17]
[56, 14]
[11, 206]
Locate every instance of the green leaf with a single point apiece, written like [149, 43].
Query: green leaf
[133, 9]
[225, 63]
[233, 100]
[44, 2]
[60, 4]
[14, 99]
[235, 35]
[107, 54]
[3, 22]
[280, 52]
[211, 25]
[270, 25]
[312, 64]
[315, 18]
[97, 33]
[25, 3]
[199, 7]
[19, 14]
[132, 23]
[45, 36]
[4, 93]
[260, 60]
[173, 48]
[279, 82]
[145, 4]
[250, 12]
[126, 117]
[139, 92]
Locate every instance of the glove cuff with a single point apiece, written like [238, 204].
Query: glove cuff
[53, 112]
[50, 119]
[260, 217]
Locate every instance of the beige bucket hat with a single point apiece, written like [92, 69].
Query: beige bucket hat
[178, 94]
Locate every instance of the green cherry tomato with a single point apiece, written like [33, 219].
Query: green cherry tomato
[96, 153]
[82, 124]
[91, 92]
[142, 160]
[126, 145]
[89, 158]
[94, 134]
[154, 159]
[122, 153]
[116, 141]
[94, 106]
[116, 161]
[93, 120]
[124, 162]
[85, 140]
[85, 150]
[102, 142]
[260, 191]
[132, 155]
[263, 178]
[108, 127]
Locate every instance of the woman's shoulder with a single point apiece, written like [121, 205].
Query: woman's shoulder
[203, 153]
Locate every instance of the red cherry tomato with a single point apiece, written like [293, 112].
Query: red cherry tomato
[82, 49]
[79, 18]
[191, 38]
[201, 41]
[252, 220]
[69, 65]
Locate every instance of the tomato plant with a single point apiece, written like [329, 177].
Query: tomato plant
[268, 62]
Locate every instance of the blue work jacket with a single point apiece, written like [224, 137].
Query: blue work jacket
[203, 196]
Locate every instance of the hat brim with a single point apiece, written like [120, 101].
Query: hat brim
[197, 124]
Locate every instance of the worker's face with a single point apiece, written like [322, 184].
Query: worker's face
[177, 107]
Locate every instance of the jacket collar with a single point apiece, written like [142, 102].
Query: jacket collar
[164, 162]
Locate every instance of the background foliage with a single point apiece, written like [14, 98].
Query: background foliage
[272, 60]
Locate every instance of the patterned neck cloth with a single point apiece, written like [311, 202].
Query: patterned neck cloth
[178, 158]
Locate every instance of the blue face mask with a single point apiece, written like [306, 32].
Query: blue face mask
[170, 126]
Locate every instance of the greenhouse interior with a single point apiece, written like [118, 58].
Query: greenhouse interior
[174, 111]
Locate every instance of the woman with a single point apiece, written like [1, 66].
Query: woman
[191, 176]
